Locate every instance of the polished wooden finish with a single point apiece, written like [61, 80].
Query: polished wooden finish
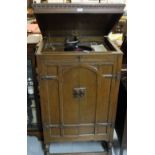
[68, 116]
[78, 90]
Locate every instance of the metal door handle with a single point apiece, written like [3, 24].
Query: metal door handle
[82, 92]
[79, 92]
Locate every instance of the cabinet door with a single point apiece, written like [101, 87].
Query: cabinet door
[70, 104]
[79, 99]
[88, 113]
[66, 112]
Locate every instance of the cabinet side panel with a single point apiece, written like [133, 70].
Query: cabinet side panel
[114, 94]
[43, 99]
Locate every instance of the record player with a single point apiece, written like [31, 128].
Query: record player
[78, 71]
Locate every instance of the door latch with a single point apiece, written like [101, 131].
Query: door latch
[79, 92]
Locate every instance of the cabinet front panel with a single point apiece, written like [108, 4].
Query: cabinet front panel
[70, 131]
[50, 100]
[55, 132]
[77, 101]
[51, 70]
[53, 102]
[70, 105]
[104, 94]
[78, 109]
[100, 130]
[86, 130]
[88, 80]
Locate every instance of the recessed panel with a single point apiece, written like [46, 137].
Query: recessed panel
[55, 131]
[53, 102]
[70, 107]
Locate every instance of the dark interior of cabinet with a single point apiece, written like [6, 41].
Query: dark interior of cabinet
[77, 24]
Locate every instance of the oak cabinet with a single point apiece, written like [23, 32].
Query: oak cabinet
[78, 88]
[78, 95]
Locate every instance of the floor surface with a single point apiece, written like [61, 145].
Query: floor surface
[34, 147]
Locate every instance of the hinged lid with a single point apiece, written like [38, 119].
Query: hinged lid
[77, 19]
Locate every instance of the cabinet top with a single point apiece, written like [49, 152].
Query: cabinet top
[77, 19]
[77, 8]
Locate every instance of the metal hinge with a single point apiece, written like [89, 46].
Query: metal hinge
[116, 76]
[46, 126]
[47, 77]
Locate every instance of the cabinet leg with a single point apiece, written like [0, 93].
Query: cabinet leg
[110, 148]
[47, 149]
[107, 147]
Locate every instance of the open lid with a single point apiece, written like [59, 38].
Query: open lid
[77, 19]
